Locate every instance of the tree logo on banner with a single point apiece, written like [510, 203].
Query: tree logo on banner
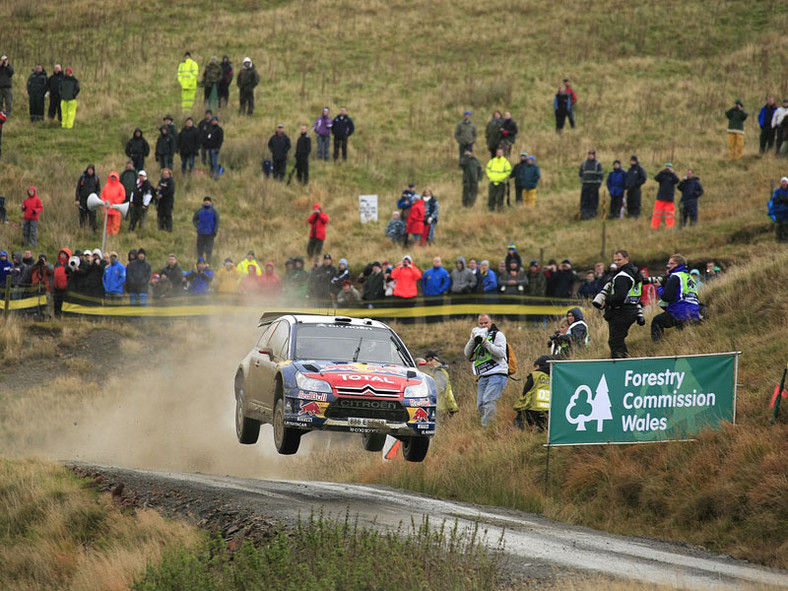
[589, 407]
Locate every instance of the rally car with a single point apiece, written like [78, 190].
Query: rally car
[333, 373]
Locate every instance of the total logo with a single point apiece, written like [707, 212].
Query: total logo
[599, 403]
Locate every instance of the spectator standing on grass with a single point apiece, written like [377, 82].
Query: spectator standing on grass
[530, 175]
[622, 305]
[114, 278]
[248, 79]
[322, 128]
[206, 222]
[374, 284]
[513, 281]
[512, 256]
[36, 91]
[635, 178]
[279, 145]
[515, 174]
[342, 275]
[736, 116]
[562, 107]
[2, 123]
[498, 171]
[171, 128]
[320, 282]
[691, 191]
[780, 125]
[472, 172]
[405, 202]
[211, 77]
[140, 201]
[664, 206]
[414, 227]
[138, 148]
[342, 128]
[778, 211]
[492, 133]
[188, 145]
[166, 147]
[486, 349]
[509, 132]
[395, 229]
[573, 94]
[431, 209]
[407, 276]
[213, 143]
[462, 279]
[318, 220]
[31, 208]
[199, 278]
[591, 176]
[113, 193]
[488, 279]
[128, 178]
[69, 90]
[227, 277]
[302, 152]
[247, 262]
[88, 183]
[465, 134]
[204, 127]
[227, 77]
[172, 270]
[270, 282]
[138, 276]
[563, 280]
[53, 86]
[616, 184]
[348, 296]
[166, 200]
[60, 277]
[590, 287]
[765, 117]
[188, 72]
[435, 282]
[6, 85]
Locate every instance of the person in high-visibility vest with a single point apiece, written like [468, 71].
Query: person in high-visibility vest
[440, 373]
[188, 70]
[498, 171]
[533, 406]
[679, 293]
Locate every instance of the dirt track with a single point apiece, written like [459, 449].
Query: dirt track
[540, 549]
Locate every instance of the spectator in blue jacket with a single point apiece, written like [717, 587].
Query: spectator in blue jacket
[691, 190]
[206, 221]
[199, 278]
[616, 183]
[488, 279]
[680, 292]
[436, 280]
[114, 278]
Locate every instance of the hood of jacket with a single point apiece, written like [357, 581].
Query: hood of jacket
[578, 313]
[461, 260]
[135, 132]
[113, 178]
[35, 192]
[66, 250]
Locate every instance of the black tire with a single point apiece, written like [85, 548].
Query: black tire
[247, 430]
[286, 439]
[374, 441]
[414, 449]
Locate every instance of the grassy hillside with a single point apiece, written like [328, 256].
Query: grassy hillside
[653, 80]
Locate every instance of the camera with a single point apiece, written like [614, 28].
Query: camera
[601, 298]
[478, 339]
[654, 280]
[73, 263]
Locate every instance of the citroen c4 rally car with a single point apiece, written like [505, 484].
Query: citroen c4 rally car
[333, 373]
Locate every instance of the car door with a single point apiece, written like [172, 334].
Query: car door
[254, 384]
[277, 350]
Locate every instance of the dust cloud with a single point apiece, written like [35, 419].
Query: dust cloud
[173, 409]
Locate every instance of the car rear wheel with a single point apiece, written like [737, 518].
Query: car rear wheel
[286, 439]
[374, 441]
[247, 430]
[415, 448]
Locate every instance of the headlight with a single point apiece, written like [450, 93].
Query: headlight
[420, 390]
[312, 384]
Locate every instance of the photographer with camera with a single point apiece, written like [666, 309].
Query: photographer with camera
[621, 303]
[576, 334]
[486, 349]
[680, 292]
[63, 268]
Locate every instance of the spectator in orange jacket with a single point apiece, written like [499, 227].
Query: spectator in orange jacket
[113, 193]
[415, 223]
[270, 282]
[407, 276]
[32, 207]
[317, 232]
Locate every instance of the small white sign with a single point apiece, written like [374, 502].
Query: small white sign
[368, 207]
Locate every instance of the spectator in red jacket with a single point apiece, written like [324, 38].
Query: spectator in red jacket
[32, 207]
[407, 276]
[270, 282]
[415, 222]
[317, 232]
[60, 280]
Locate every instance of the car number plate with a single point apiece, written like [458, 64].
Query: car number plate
[357, 422]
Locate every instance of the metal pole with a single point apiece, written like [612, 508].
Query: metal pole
[104, 237]
[547, 471]
[604, 239]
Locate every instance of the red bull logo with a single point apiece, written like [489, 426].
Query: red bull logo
[310, 408]
[421, 415]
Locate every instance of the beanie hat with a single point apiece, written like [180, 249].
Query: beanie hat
[668, 165]
[633, 157]
[141, 251]
[785, 178]
[343, 262]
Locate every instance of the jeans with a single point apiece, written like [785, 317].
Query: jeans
[138, 299]
[166, 161]
[323, 144]
[187, 161]
[213, 157]
[30, 232]
[488, 392]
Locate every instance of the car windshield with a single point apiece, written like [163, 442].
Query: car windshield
[343, 342]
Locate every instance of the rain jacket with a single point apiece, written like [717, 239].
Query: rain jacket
[32, 205]
[406, 278]
[188, 71]
[114, 193]
[62, 271]
[114, 278]
[318, 222]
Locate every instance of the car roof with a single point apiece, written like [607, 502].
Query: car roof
[269, 317]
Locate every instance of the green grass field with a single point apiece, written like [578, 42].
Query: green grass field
[653, 79]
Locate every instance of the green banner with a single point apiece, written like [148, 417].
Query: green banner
[640, 400]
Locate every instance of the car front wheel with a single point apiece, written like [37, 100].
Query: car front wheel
[415, 448]
[286, 439]
[374, 441]
[247, 430]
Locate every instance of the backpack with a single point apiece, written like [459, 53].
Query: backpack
[511, 358]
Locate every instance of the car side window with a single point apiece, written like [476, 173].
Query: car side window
[261, 342]
[279, 340]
